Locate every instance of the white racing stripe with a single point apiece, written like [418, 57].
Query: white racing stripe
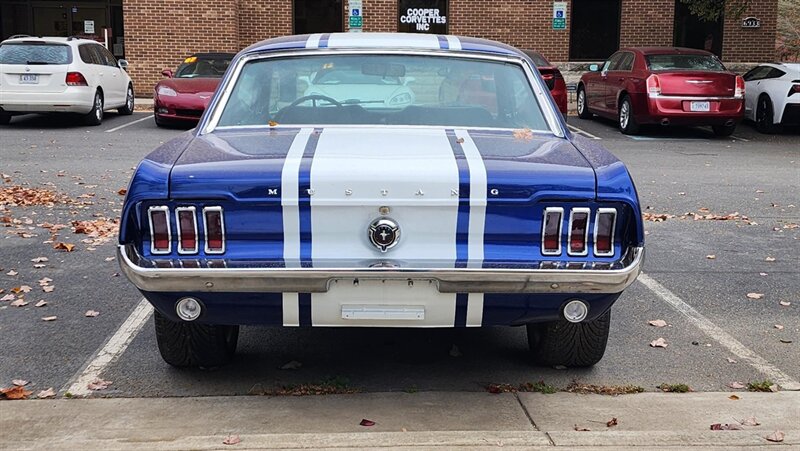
[291, 309]
[720, 336]
[313, 41]
[111, 350]
[412, 173]
[453, 42]
[289, 198]
[475, 310]
[391, 40]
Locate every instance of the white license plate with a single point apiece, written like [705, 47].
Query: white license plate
[29, 79]
[700, 106]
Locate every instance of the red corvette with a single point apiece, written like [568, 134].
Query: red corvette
[552, 76]
[185, 94]
[663, 85]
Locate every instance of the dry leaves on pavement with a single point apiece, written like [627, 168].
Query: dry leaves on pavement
[659, 343]
[231, 440]
[61, 246]
[44, 394]
[41, 303]
[736, 385]
[98, 384]
[91, 313]
[776, 437]
[49, 318]
[15, 392]
[612, 422]
[20, 382]
[750, 421]
[19, 303]
[366, 422]
[726, 427]
[755, 296]
[657, 323]
[100, 231]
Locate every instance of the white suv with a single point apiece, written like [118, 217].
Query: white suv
[69, 75]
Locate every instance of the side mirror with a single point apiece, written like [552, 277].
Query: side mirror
[123, 64]
[167, 73]
[594, 67]
[408, 80]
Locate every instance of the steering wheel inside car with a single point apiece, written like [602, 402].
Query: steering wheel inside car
[314, 98]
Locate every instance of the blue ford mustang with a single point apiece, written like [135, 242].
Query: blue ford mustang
[433, 184]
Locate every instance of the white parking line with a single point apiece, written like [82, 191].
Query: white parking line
[129, 123]
[733, 345]
[582, 132]
[740, 139]
[113, 348]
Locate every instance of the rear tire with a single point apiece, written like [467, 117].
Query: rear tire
[184, 344]
[5, 118]
[95, 117]
[723, 130]
[127, 109]
[627, 121]
[765, 116]
[569, 344]
[582, 107]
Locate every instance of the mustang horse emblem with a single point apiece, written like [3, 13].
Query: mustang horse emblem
[384, 233]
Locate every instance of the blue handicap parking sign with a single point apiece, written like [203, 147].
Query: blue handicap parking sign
[559, 14]
[356, 12]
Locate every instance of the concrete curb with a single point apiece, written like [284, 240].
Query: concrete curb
[420, 420]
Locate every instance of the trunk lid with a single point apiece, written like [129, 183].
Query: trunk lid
[34, 66]
[697, 83]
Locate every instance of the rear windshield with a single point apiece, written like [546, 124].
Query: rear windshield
[383, 90]
[684, 62]
[538, 59]
[30, 53]
[204, 67]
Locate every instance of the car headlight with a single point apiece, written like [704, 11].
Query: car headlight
[166, 91]
[400, 99]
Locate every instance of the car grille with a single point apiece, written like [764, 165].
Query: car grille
[190, 113]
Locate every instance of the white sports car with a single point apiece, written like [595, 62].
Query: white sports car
[375, 90]
[772, 96]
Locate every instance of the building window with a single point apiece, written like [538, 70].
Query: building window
[691, 32]
[594, 32]
[318, 16]
[422, 16]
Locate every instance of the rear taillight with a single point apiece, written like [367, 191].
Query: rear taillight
[551, 231]
[795, 88]
[76, 79]
[604, 225]
[739, 92]
[160, 236]
[578, 231]
[187, 230]
[549, 78]
[653, 86]
[215, 230]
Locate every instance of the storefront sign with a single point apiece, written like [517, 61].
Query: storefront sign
[559, 15]
[751, 22]
[88, 26]
[422, 16]
[356, 18]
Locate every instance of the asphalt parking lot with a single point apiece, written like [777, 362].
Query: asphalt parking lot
[722, 222]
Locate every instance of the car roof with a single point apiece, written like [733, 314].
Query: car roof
[50, 39]
[667, 50]
[412, 41]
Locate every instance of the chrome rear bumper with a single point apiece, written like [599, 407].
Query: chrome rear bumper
[317, 280]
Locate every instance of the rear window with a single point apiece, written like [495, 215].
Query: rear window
[684, 62]
[538, 59]
[34, 53]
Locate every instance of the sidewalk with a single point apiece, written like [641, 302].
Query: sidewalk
[425, 420]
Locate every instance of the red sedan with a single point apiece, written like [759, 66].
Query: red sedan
[663, 85]
[185, 94]
[552, 76]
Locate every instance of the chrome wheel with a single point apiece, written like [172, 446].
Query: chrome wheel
[98, 107]
[624, 115]
[129, 99]
[581, 101]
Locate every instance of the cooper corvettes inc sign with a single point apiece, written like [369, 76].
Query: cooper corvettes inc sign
[422, 18]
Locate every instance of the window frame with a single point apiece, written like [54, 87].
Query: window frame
[215, 109]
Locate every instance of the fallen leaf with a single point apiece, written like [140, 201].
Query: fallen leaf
[612, 422]
[733, 398]
[725, 427]
[122, 191]
[41, 303]
[785, 341]
[785, 303]
[19, 303]
[523, 134]
[60, 246]
[769, 259]
[779, 327]
[736, 385]
[12, 273]
[773, 388]
[110, 259]
[776, 436]
[751, 421]
[763, 274]
[460, 140]
[48, 288]
[45, 281]
[293, 365]
[8, 297]
[91, 313]
[659, 343]
[39, 266]
[20, 382]
[44, 394]
[581, 428]
[366, 422]
[15, 392]
[21, 289]
[755, 295]
[730, 360]
[273, 124]
[98, 384]
[40, 259]
[657, 323]
[711, 256]
[231, 440]
[49, 318]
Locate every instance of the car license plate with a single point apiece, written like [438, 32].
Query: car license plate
[29, 79]
[700, 106]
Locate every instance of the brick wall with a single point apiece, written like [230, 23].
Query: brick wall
[646, 22]
[158, 33]
[751, 44]
[263, 19]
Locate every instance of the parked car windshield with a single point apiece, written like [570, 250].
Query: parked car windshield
[27, 53]
[383, 90]
[684, 62]
[204, 67]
